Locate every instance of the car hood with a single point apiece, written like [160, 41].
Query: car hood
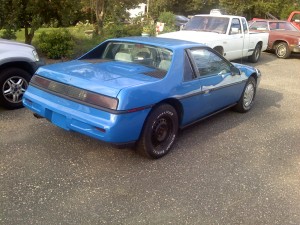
[189, 35]
[103, 77]
[14, 43]
[286, 33]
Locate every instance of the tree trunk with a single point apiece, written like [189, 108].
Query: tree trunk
[29, 35]
[99, 11]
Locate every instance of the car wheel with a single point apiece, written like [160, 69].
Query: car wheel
[246, 101]
[159, 132]
[13, 83]
[256, 54]
[282, 50]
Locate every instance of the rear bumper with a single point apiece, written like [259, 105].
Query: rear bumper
[72, 116]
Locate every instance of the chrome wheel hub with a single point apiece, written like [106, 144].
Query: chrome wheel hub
[281, 51]
[14, 88]
[248, 95]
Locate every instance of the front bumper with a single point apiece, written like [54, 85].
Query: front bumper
[96, 123]
[295, 48]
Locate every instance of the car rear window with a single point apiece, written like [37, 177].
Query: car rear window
[147, 55]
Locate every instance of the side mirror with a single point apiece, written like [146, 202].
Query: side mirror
[235, 71]
[234, 30]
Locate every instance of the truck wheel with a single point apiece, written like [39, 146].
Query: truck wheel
[13, 83]
[282, 50]
[159, 132]
[256, 54]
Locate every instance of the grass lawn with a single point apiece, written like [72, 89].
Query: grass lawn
[83, 42]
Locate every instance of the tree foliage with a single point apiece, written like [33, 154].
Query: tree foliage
[260, 8]
[112, 10]
[31, 14]
[249, 9]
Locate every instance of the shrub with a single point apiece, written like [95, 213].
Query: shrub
[169, 19]
[9, 34]
[113, 30]
[56, 44]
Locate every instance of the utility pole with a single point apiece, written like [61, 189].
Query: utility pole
[148, 2]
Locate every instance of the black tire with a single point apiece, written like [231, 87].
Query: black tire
[256, 54]
[282, 50]
[247, 99]
[159, 132]
[13, 83]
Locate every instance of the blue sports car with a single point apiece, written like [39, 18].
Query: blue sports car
[140, 90]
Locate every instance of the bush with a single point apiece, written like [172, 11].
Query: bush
[9, 34]
[85, 44]
[114, 30]
[169, 19]
[56, 44]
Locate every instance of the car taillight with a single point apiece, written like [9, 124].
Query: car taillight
[75, 93]
[42, 82]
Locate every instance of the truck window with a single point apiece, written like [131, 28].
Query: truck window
[208, 23]
[245, 27]
[235, 27]
[296, 18]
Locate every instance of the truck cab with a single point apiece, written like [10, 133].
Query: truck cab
[295, 19]
[228, 35]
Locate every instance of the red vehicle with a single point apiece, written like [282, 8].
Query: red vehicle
[294, 18]
[284, 37]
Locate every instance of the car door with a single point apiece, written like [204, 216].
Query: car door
[209, 85]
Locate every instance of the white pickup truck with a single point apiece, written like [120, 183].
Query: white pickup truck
[229, 35]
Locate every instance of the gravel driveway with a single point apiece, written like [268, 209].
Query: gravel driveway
[229, 169]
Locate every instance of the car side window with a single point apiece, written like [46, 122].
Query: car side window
[208, 63]
[188, 70]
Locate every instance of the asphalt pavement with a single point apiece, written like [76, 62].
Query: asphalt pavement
[229, 169]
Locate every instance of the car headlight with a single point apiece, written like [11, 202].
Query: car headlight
[35, 55]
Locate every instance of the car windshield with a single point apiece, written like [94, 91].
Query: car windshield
[208, 23]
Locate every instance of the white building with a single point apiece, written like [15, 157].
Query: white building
[138, 11]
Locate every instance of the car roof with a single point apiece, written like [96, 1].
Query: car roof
[160, 42]
[266, 20]
[217, 15]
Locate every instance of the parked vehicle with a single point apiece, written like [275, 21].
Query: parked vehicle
[228, 35]
[140, 90]
[180, 21]
[18, 62]
[284, 38]
[294, 18]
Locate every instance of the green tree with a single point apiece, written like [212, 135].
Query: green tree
[109, 10]
[260, 8]
[188, 7]
[31, 14]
